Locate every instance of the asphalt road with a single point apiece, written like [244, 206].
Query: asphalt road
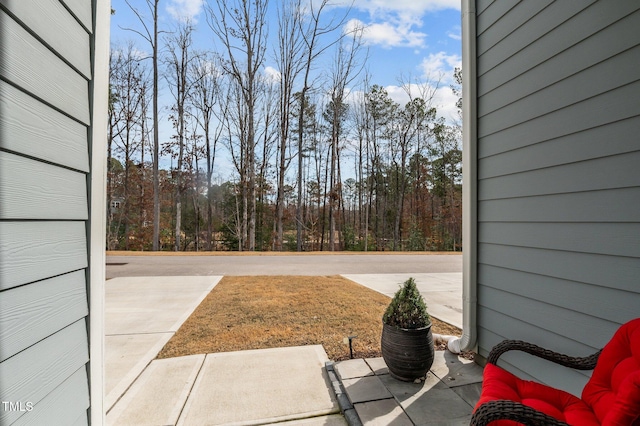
[295, 264]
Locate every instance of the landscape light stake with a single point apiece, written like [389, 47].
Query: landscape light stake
[351, 346]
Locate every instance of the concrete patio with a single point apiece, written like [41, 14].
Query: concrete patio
[447, 396]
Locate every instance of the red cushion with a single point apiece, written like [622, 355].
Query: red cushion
[500, 384]
[611, 398]
[614, 388]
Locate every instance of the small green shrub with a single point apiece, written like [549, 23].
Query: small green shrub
[349, 238]
[417, 240]
[407, 308]
[290, 243]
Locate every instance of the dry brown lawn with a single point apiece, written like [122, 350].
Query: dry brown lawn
[257, 312]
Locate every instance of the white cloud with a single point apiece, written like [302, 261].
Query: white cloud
[401, 6]
[184, 9]
[209, 68]
[445, 102]
[442, 99]
[391, 23]
[272, 74]
[139, 54]
[440, 66]
[388, 34]
[129, 51]
[455, 33]
[395, 23]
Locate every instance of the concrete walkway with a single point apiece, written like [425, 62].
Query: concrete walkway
[141, 315]
[442, 292]
[233, 388]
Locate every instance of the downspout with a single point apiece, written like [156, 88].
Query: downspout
[470, 182]
[97, 196]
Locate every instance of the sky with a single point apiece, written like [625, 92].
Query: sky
[413, 40]
[408, 40]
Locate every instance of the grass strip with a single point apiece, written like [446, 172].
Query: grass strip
[258, 312]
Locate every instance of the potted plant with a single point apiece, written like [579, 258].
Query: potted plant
[407, 342]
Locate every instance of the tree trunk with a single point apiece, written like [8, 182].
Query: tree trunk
[156, 142]
[209, 220]
[299, 219]
[178, 223]
[280, 202]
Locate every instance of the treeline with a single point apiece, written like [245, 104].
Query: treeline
[311, 156]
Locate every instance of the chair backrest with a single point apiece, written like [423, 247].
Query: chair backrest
[613, 392]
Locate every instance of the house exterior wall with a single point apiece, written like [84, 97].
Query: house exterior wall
[558, 177]
[49, 196]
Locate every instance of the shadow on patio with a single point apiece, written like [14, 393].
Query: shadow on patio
[446, 397]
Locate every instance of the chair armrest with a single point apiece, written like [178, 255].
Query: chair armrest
[510, 410]
[579, 363]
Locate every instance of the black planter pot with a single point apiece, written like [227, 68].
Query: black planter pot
[407, 353]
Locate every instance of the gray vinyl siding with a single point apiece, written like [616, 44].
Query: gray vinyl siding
[45, 83]
[558, 177]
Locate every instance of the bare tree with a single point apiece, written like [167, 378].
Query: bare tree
[311, 149]
[127, 127]
[346, 67]
[241, 27]
[206, 96]
[114, 129]
[312, 31]
[144, 134]
[411, 126]
[235, 130]
[289, 58]
[360, 119]
[380, 110]
[151, 36]
[178, 64]
[266, 135]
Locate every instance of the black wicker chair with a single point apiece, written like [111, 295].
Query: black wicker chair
[619, 358]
